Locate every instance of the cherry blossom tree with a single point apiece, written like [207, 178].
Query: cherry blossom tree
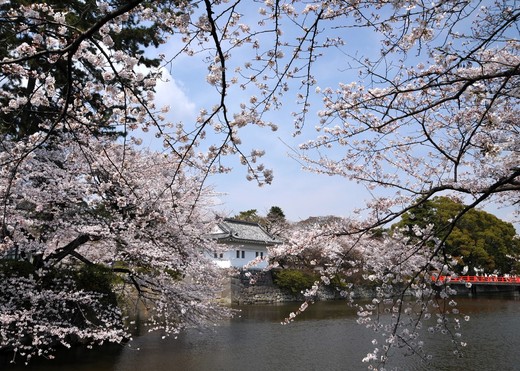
[407, 305]
[432, 110]
[95, 207]
[445, 77]
[443, 119]
[77, 205]
[435, 112]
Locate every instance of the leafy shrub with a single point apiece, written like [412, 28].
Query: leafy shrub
[96, 278]
[16, 268]
[294, 280]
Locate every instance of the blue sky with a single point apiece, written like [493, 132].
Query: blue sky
[300, 194]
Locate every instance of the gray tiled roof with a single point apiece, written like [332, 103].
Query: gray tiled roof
[240, 231]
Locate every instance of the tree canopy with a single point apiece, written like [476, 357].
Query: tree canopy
[84, 228]
[250, 215]
[275, 213]
[67, 56]
[93, 228]
[478, 240]
[274, 222]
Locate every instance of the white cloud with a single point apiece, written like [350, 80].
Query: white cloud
[169, 92]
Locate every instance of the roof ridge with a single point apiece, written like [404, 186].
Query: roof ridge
[241, 221]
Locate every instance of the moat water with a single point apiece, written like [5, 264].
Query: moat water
[326, 337]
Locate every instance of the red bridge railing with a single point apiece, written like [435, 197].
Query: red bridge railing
[477, 279]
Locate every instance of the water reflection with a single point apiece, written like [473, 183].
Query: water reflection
[325, 337]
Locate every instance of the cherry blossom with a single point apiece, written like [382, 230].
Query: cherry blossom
[431, 108]
[76, 204]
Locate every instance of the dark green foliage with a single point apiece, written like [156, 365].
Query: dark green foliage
[274, 222]
[478, 240]
[249, 216]
[16, 268]
[275, 214]
[69, 74]
[294, 280]
[96, 278]
[174, 274]
[91, 278]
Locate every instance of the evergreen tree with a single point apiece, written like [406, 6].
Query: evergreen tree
[250, 215]
[275, 214]
[478, 240]
[64, 51]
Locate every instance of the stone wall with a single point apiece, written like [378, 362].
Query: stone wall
[476, 289]
[257, 287]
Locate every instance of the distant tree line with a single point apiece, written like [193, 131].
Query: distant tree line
[479, 242]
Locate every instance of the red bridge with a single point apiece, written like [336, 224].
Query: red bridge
[494, 280]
